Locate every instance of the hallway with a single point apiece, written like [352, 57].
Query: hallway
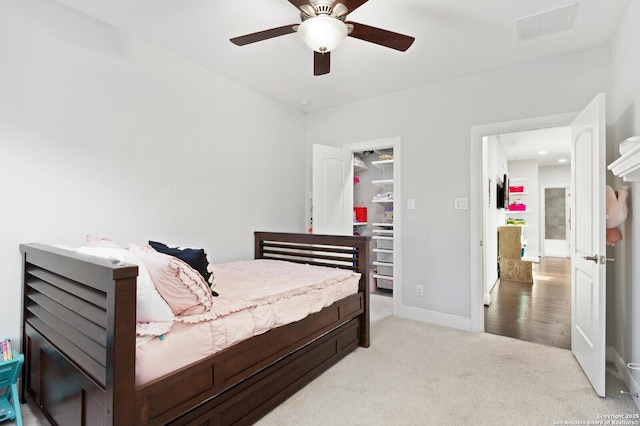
[538, 313]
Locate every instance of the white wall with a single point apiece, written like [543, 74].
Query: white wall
[554, 175]
[434, 122]
[623, 292]
[104, 134]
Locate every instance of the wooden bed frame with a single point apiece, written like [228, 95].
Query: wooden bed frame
[79, 342]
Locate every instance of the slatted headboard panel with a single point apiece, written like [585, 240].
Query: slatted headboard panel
[346, 252]
[352, 253]
[71, 325]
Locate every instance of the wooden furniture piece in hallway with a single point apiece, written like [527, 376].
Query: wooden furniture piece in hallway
[512, 267]
[540, 313]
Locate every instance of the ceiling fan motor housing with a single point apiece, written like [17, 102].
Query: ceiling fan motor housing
[323, 8]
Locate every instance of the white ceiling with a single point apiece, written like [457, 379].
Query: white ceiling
[548, 146]
[453, 37]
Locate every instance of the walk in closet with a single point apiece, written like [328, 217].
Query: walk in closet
[373, 212]
[354, 191]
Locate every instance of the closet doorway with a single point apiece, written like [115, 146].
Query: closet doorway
[379, 188]
[336, 204]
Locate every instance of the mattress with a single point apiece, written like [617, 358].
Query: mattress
[254, 297]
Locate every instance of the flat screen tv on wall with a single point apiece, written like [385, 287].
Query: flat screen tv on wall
[502, 193]
[505, 189]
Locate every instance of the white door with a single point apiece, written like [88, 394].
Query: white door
[332, 188]
[588, 257]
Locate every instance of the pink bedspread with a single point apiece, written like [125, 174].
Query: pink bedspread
[255, 296]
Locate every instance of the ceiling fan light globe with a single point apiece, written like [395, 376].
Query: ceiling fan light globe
[322, 33]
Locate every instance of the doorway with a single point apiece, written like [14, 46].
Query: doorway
[527, 295]
[382, 222]
[481, 247]
[380, 190]
[554, 220]
[588, 265]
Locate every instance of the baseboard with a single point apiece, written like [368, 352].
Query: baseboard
[433, 317]
[486, 299]
[624, 372]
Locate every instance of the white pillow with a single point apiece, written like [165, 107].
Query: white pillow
[150, 306]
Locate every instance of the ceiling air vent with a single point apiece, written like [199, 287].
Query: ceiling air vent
[545, 23]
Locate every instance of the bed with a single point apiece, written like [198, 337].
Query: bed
[73, 301]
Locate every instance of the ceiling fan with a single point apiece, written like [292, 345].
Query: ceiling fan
[323, 27]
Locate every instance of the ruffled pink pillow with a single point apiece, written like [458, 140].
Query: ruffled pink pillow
[182, 287]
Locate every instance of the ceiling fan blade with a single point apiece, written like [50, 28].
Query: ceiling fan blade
[321, 63]
[382, 37]
[263, 35]
[350, 4]
[299, 3]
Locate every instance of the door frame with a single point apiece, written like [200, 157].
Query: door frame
[395, 143]
[477, 206]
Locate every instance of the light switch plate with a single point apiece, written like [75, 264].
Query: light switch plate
[460, 204]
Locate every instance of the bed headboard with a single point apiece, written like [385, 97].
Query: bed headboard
[70, 300]
[347, 252]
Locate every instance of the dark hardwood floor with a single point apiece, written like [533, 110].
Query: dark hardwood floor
[538, 313]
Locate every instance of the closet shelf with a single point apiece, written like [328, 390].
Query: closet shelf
[358, 164]
[628, 166]
[377, 250]
[382, 235]
[384, 277]
[382, 182]
[381, 163]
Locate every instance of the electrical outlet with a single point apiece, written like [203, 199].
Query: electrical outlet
[420, 290]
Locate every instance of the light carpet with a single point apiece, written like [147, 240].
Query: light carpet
[421, 374]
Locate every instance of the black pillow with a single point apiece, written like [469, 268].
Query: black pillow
[196, 258]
